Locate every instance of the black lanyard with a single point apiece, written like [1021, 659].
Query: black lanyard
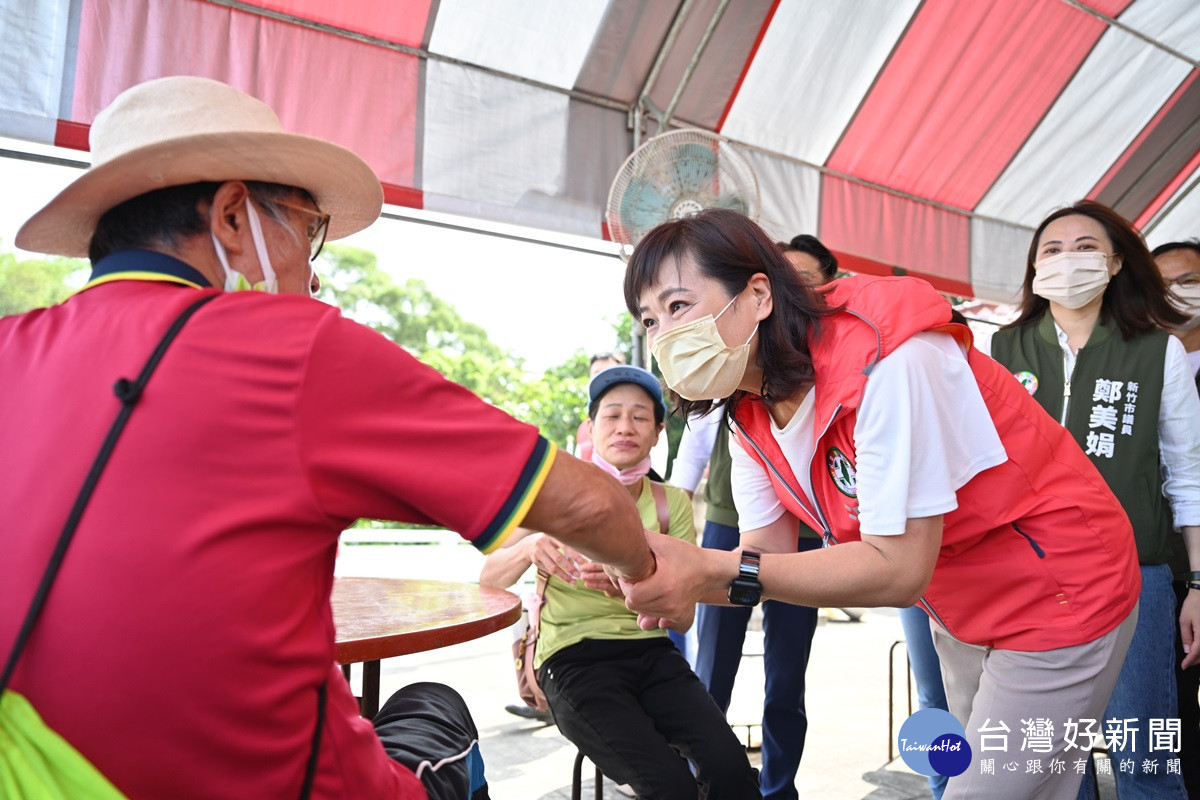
[129, 392]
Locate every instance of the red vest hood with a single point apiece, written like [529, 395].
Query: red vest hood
[845, 361]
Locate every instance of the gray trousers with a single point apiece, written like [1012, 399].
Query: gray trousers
[1034, 695]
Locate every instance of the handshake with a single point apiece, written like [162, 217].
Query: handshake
[665, 594]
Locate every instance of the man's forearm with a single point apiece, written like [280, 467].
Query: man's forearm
[583, 507]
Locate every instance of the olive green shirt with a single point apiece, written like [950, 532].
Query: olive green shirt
[574, 612]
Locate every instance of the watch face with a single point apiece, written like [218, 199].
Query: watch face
[741, 594]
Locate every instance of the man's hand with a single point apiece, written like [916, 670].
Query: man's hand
[683, 573]
[609, 581]
[648, 623]
[1189, 628]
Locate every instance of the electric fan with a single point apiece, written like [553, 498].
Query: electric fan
[676, 174]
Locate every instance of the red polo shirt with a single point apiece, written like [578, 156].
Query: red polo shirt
[184, 640]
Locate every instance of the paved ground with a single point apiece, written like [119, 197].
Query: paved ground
[846, 756]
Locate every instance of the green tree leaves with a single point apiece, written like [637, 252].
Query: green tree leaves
[26, 284]
[431, 329]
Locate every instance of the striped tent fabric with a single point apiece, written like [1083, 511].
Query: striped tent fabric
[921, 137]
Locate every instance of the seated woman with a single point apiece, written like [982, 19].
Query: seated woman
[626, 697]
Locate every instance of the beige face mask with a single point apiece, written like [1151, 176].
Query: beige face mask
[1072, 280]
[696, 363]
[1187, 300]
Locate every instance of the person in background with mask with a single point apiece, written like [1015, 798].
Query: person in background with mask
[787, 629]
[186, 648]
[863, 411]
[1179, 265]
[1089, 348]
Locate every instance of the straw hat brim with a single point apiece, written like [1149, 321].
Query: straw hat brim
[341, 183]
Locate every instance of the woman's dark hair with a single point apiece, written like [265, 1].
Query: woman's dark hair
[165, 217]
[1136, 297]
[727, 247]
[807, 243]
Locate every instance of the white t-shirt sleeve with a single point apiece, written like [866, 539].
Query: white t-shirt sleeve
[1179, 436]
[753, 495]
[695, 448]
[923, 431]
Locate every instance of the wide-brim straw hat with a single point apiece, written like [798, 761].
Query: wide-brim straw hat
[179, 130]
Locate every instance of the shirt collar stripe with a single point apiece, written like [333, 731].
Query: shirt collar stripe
[144, 265]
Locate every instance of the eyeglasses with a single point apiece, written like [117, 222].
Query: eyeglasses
[1187, 279]
[316, 229]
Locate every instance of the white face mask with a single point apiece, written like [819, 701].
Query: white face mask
[1072, 280]
[697, 363]
[236, 281]
[1187, 300]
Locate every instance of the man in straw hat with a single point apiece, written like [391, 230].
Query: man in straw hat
[186, 647]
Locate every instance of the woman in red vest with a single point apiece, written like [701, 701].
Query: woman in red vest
[863, 411]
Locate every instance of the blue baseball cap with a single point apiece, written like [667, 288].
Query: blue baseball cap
[605, 379]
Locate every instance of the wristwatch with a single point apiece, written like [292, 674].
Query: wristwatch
[745, 590]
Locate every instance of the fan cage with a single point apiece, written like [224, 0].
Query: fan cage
[677, 174]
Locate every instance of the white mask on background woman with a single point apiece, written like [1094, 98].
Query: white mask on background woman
[696, 362]
[1071, 279]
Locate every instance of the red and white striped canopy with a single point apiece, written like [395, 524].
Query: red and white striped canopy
[919, 136]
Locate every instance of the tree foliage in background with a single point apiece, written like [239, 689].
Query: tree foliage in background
[432, 330]
[31, 283]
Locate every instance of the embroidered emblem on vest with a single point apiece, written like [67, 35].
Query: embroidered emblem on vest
[842, 471]
[1028, 380]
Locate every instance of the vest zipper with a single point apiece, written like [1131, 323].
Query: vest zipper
[827, 536]
[1066, 390]
[937, 617]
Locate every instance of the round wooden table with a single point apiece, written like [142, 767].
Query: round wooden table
[379, 618]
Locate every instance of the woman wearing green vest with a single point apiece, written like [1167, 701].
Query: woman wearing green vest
[626, 697]
[1088, 346]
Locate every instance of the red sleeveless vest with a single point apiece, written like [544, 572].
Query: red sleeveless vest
[1038, 555]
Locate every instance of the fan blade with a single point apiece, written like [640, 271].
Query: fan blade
[644, 204]
[693, 169]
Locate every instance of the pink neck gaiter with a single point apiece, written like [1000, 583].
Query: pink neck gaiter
[630, 476]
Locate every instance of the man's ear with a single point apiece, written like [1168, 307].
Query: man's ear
[760, 287]
[227, 215]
